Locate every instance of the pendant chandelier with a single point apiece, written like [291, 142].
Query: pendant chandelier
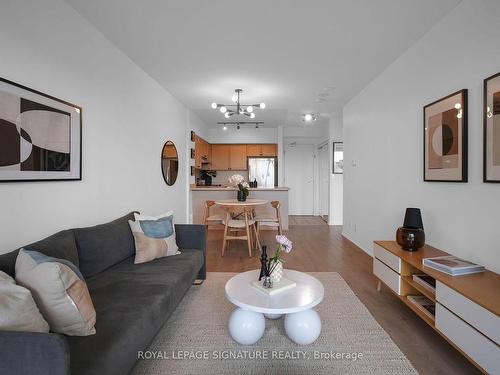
[238, 108]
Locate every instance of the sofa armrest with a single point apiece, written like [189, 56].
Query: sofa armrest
[193, 236]
[26, 353]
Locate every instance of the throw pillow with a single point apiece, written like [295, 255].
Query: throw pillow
[154, 237]
[18, 311]
[59, 290]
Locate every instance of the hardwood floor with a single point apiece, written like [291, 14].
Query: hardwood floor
[305, 220]
[322, 248]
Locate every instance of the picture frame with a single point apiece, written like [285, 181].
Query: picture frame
[445, 139]
[40, 136]
[338, 158]
[491, 129]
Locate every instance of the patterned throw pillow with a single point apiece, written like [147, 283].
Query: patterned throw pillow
[18, 311]
[154, 237]
[59, 291]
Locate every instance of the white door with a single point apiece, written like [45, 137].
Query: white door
[299, 177]
[324, 181]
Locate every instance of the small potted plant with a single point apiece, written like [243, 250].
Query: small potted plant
[238, 181]
[275, 265]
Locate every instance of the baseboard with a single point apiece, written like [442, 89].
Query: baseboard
[346, 236]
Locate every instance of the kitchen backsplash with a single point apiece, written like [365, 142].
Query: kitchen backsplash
[222, 177]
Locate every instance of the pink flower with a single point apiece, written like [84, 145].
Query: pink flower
[284, 242]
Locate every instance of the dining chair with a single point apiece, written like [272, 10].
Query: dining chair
[233, 226]
[211, 219]
[270, 221]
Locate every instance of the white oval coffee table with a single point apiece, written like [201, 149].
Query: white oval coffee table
[247, 322]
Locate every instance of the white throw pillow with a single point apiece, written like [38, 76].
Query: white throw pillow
[154, 237]
[60, 292]
[18, 311]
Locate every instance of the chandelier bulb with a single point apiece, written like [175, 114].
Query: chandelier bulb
[223, 109]
[227, 115]
[252, 115]
[234, 98]
[214, 105]
[250, 109]
[262, 105]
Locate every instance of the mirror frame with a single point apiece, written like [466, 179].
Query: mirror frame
[169, 142]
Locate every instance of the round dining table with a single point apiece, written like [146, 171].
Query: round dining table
[245, 209]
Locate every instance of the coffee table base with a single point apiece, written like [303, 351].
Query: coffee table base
[303, 327]
[247, 327]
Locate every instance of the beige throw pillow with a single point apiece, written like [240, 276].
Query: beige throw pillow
[18, 311]
[60, 292]
[154, 237]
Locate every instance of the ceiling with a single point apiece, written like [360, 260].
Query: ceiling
[296, 56]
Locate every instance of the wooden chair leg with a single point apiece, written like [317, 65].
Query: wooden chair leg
[249, 241]
[224, 241]
[257, 241]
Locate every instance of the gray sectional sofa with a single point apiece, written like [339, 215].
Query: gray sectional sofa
[132, 301]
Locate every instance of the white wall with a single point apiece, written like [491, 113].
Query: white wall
[335, 215]
[383, 136]
[127, 117]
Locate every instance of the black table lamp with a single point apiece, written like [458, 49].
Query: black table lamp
[411, 235]
[413, 219]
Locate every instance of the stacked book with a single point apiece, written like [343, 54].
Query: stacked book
[424, 304]
[426, 281]
[452, 265]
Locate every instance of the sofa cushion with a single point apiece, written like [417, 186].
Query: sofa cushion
[102, 246]
[132, 302]
[60, 245]
[18, 310]
[59, 291]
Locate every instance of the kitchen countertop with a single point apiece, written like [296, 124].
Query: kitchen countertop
[222, 188]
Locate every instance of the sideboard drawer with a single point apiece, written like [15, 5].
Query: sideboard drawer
[482, 350]
[388, 276]
[386, 257]
[483, 320]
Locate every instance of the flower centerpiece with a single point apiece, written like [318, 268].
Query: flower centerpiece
[275, 265]
[238, 181]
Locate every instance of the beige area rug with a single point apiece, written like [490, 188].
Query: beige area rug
[198, 329]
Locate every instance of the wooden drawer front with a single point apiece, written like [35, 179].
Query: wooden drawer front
[388, 276]
[387, 257]
[483, 320]
[482, 350]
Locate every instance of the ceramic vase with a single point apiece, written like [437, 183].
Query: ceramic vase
[241, 196]
[277, 273]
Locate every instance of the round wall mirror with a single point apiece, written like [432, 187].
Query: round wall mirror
[169, 163]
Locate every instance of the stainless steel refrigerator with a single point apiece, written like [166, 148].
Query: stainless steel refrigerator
[264, 170]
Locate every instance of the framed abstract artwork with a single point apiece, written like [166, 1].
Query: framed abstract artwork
[40, 136]
[338, 157]
[491, 130]
[445, 139]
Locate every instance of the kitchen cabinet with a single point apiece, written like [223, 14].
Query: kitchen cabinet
[202, 153]
[220, 157]
[262, 150]
[238, 157]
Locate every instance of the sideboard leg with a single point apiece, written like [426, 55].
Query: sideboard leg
[379, 285]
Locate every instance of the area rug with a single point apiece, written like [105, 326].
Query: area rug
[195, 340]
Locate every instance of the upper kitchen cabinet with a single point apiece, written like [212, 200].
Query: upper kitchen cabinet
[238, 157]
[262, 150]
[202, 153]
[220, 157]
